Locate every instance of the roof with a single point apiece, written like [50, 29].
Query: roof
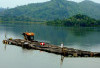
[29, 34]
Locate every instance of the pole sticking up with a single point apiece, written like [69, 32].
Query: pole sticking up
[63, 49]
[62, 46]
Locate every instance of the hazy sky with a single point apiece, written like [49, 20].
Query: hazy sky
[14, 3]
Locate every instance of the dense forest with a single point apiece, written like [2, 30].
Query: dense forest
[51, 10]
[76, 20]
[19, 19]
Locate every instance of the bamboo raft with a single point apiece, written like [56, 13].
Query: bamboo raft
[68, 52]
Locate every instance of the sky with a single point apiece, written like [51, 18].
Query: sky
[14, 3]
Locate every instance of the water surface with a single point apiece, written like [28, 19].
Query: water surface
[75, 37]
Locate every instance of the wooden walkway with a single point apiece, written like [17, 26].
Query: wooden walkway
[68, 52]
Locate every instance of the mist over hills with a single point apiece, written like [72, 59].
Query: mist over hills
[54, 9]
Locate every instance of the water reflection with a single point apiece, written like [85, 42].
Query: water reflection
[5, 47]
[62, 59]
[81, 31]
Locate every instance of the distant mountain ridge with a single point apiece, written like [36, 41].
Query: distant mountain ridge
[55, 9]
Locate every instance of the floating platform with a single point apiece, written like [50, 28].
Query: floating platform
[68, 52]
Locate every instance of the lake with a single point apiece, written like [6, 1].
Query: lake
[86, 38]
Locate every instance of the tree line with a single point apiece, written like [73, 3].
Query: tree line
[76, 20]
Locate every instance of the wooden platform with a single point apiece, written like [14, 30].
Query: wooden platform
[68, 52]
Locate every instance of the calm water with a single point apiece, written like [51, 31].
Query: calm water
[80, 38]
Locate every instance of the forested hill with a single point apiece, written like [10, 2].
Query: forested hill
[76, 20]
[2, 9]
[55, 9]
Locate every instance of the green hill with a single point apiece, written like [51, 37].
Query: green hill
[54, 9]
[76, 20]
